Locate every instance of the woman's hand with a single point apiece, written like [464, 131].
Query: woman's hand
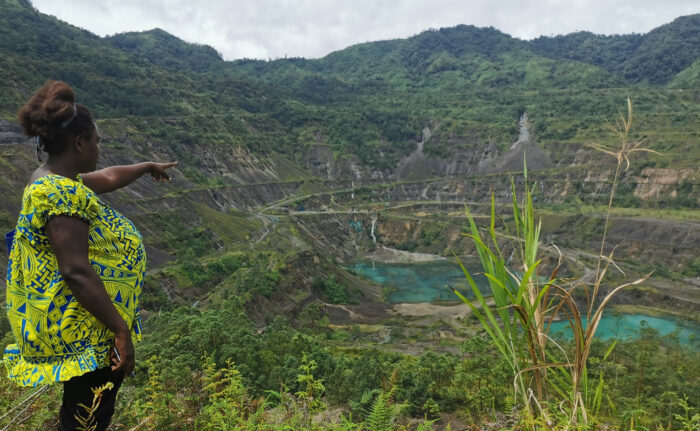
[122, 355]
[69, 239]
[115, 177]
[158, 170]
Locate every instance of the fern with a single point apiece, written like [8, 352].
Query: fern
[313, 388]
[229, 406]
[87, 423]
[384, 412]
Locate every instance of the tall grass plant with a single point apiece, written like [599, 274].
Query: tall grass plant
[552, 385]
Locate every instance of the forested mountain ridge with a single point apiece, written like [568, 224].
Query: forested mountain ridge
[457, 58]
[653, 58]
[114, 83]
[160, 47]
[370, 102]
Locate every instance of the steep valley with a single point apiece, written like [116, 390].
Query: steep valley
[249, 204]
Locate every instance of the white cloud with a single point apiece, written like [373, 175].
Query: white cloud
[313, 28]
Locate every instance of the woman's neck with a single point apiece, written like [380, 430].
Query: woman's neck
[56, 165]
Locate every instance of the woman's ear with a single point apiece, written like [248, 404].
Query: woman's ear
[79, 143]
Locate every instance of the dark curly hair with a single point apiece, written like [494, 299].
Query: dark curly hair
[52, 115]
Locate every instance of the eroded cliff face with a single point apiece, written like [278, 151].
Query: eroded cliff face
[562, 170]
[437, 154]
[655, 183]
[322, 162]
[233, 177]
[592, 185]
[224, 179]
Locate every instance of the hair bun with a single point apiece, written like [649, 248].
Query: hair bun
[52, 114]
[45, 112]
[59, 103]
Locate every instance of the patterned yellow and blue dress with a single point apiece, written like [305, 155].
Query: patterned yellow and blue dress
[57, 338]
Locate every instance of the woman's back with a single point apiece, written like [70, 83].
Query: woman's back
[56, 337]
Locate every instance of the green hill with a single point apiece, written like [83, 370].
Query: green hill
[688, 78]
[652, 58]
[369, 99]
[112, 82]
[163, 49]
[458, 58]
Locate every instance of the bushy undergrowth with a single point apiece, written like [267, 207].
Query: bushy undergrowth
[213, 370]
[335, 291]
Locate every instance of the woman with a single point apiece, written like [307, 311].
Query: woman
[76, 266]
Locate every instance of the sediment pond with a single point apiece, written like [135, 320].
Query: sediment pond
[419, 282]
[623, 326]
[425, 282]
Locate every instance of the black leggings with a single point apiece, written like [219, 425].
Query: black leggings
[79, 390]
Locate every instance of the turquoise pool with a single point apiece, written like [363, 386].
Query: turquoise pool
[419, 282]
[424, 282]
[627, 326]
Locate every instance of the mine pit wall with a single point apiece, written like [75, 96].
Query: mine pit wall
[292, 295]
[335, 235]
[146, 198]
[588, 182]
[345, 237]
[672, 245]
[660, 186]
[643, 243]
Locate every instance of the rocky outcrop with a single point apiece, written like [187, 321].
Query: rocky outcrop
[10, 133]
[340, 235]
[654, 183]
[478, 159]
[436, 155]
[323, 162]
[513, 160]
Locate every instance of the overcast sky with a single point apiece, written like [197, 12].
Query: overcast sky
[313, 28]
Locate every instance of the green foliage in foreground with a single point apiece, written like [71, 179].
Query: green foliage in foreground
[202, 370]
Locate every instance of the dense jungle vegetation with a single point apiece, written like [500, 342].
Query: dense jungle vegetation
[239, 324]
[370, 100]
[214, 367]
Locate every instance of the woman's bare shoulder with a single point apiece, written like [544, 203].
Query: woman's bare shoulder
[39, 172]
